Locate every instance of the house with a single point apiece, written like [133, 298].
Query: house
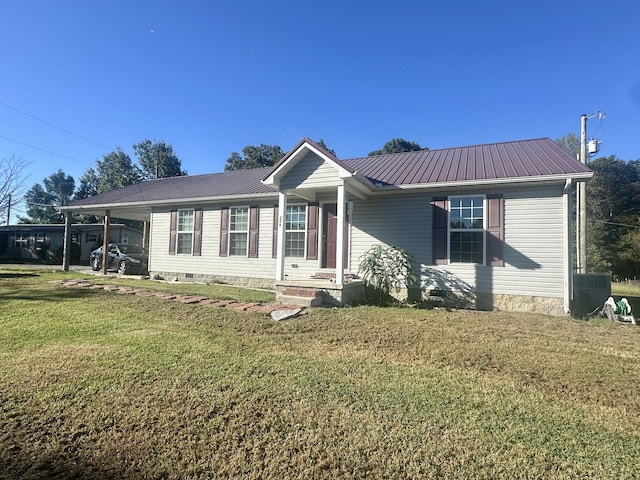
[40, 242]
[488, 226]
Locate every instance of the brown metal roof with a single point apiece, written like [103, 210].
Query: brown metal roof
[213, 185]
[498, 161]
[508, 160]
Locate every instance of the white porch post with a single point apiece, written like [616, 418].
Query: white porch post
[340, 235]
[282, 210]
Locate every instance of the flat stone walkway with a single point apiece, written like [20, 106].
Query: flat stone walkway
[264, 308]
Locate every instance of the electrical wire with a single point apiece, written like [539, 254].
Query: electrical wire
[69, 132]
[45, 150]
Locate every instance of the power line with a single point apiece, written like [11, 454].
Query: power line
[45, 150]
[55, 126]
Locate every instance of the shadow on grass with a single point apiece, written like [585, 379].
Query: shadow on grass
[29, 293]
[17, 275]
[58, 464]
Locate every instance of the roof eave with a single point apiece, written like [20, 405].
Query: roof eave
[542, 179]
[166, 202]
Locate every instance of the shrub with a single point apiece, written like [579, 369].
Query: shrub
[386, 268]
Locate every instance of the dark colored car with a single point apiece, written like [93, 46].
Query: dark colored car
[123, 257]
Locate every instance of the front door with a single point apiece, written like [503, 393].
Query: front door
[330, 235]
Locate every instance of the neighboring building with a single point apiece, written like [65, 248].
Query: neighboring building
[41, 242]
[488, 225]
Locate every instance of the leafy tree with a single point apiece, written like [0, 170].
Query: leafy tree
[11, 183]
[158, 160]
[397, 145]
[324, 145]
[254, 157]
[613, 201]
[41, 201]
[571, 143]
[88, 187]
[116, 170]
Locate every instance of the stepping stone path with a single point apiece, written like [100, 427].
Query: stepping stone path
[277, 311]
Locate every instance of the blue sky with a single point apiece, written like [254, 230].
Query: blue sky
[80, 78]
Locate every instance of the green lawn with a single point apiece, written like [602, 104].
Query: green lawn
[95, 384]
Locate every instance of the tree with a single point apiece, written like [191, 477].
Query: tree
[11, 183]
[41, 201]
[158, 160]
[397, 145]
[116, 170]
[254, 157]
[613, 202]
[324, 145]
[88, 187]
[571, 143]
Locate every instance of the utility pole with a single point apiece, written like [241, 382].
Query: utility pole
[9, 211]
[581, 213]
[582, 201]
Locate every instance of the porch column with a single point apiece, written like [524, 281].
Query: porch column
[340, 235]
[105, 241]
[282, 210]
[66, 250]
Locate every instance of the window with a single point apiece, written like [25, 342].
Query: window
[295, 230]
[185, 232]
[40, 238]
[21, 240]
[466, 230]
[238, 230]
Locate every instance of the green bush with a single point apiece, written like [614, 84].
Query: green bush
[385, 268]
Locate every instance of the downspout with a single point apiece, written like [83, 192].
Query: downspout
[568, 254]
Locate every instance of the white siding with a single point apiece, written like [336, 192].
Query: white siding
[210, 262]
[533, 241]
[311, 172]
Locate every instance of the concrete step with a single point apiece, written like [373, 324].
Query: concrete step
[306, 301]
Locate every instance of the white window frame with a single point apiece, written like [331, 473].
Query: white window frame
[482, 230]
[237, 231]
[181, 231]
[290, 231]
[21, 240]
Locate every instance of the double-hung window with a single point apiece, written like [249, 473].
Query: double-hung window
[185, 224]
[238, 231]
[466, 229]
[295, 230]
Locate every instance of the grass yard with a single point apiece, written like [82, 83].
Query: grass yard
[100, 385]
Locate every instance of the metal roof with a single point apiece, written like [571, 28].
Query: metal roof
[508, 161]
[213, 185]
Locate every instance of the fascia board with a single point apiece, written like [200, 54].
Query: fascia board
[581, 177]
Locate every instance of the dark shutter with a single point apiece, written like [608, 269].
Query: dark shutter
[312, 231]
[197, 232]
[173, 232]
[495, 230]
[224, 231]
[254, 221]
[274, 240]
[439, 240]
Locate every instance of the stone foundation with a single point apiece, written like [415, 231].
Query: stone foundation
[486, 301]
